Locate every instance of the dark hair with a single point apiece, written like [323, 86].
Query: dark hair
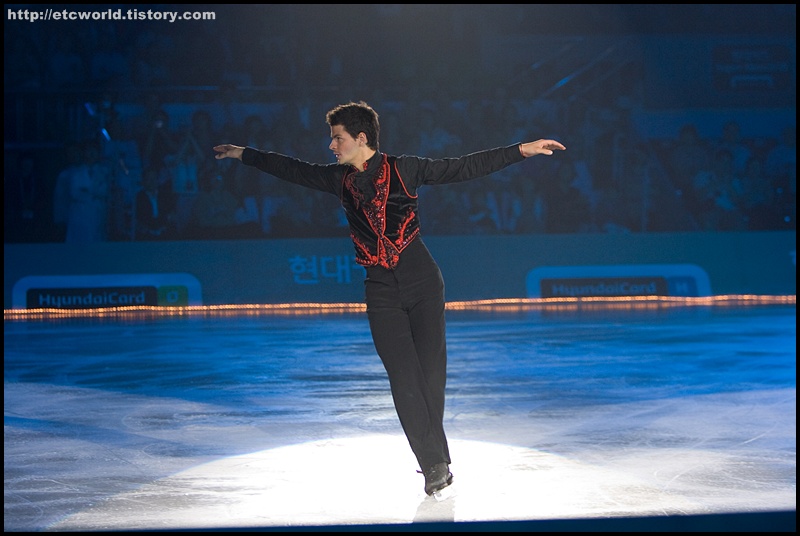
[357, 117]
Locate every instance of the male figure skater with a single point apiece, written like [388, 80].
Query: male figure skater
[404, 291]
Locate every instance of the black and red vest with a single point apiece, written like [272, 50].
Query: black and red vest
[382, 214]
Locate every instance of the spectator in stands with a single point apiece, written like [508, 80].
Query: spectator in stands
[121, 150]
[781, 169]
[565, 209]
[62, 195]
[155, 217]
[504, 200]
[160, 144]
[687, 156]
[434, 138]
[731, 140]
[475, 206]
[781, 162]
[87, 216]
[261, 197]
[213, 212]
[718, 195]
[190, 158]
[758, 198]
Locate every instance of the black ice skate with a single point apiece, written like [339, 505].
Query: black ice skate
[437, 477]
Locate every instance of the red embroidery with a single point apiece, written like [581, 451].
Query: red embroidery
[375, 210]
[402, 231]
[372, 206]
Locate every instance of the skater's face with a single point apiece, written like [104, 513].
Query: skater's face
[345, 147]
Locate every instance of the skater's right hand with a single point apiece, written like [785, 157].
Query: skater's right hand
[226, 150]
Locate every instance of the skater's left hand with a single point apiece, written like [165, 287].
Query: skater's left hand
[532, 148]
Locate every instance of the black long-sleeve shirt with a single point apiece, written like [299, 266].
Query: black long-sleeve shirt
[380, 202]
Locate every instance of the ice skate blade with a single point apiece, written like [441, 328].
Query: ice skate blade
[444, 493]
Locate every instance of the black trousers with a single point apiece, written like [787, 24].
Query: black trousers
[405, 307]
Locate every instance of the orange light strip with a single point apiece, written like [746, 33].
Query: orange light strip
[507, 305]
[620, 302]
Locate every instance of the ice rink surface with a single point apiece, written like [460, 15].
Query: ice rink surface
[660, 416]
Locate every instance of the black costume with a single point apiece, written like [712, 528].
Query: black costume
[404, 290]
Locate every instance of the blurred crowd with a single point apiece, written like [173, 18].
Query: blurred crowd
[132, 172]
